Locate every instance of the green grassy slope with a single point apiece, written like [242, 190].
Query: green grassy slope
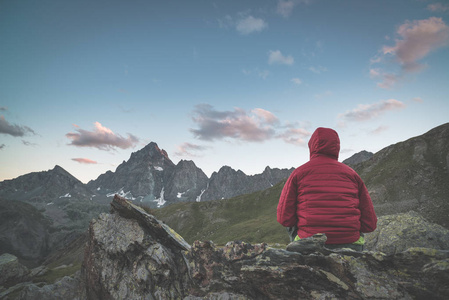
[250, 218]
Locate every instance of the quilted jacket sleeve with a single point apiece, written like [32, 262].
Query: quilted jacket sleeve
[368, 219]
[286, 210]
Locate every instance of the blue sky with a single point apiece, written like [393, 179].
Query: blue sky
[83, 84]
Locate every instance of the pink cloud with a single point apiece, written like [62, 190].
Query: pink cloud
[237, 124]
[84, 161]
[418, 39]
[256, 125]
[295, 136]
[188, 149]
[365, 112]
[101, 137]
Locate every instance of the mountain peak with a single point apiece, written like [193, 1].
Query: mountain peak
[151, 153]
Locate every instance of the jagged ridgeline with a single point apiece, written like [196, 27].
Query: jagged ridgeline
[151, 178]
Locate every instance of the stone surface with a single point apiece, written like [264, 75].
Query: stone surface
[399, 232]
[358, 158]
[411, 175]
[66, 288]
[130, 255]
[11, 271]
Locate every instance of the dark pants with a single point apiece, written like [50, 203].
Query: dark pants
[293, 232]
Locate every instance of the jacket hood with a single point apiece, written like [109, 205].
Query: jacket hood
[324, 141]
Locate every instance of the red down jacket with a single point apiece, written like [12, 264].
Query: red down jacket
[326, 196]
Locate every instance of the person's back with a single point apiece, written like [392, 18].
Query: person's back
[326, 196]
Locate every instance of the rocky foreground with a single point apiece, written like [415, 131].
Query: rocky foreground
[132, 255]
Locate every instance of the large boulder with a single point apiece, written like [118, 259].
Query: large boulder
[11, 270]
[132, 255]
[399, 232]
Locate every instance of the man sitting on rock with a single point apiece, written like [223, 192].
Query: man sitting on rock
[326, 196]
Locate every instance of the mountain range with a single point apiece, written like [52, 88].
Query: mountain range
[409, 175]
[149, 178]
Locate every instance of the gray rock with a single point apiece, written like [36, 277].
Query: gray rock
[130, 255]
[358, 158]
[228, 183]
[399, 232]
[11, 270]
[309, 245]
[411, 175]
[68, 287]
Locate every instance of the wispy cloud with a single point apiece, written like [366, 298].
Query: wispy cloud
[188, 149]
[101, 138]
[243, 23]
[323, 95]
[250, 24]
[14, 129]
[417, 39]
[379, 129]
[27, 143]
[84, 161]
[285, 8]
[387, 80]
[276, 57]
[295, 136]
[259, 73]
[3, 108]
[417, 99]
[438, 7]
[296, 81]
[318, 70]
[365, 112]
[2, 146]
[257, 125]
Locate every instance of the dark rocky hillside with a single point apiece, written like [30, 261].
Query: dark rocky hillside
[24, 231]
[44, 211]
[411, 175]
[358, 158]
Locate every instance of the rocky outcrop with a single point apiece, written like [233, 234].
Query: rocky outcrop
[228, 183]
[358, 158]
[221, 181]
[132, 255]
[11, 270]
[142, 176]
[411, 175]
[399, 232]
[186, 183]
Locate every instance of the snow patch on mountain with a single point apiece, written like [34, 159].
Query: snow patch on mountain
[160, 201]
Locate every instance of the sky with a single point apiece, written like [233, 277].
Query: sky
[83, 84]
